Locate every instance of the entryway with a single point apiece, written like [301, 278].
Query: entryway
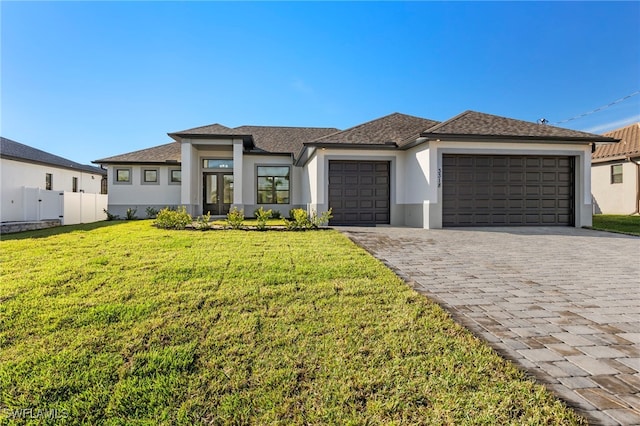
[218, 193]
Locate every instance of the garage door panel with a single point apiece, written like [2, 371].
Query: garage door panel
[507, 190]
[359, 192]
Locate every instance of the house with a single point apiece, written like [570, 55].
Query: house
[37, 185]
[615, 173]
[474, 169]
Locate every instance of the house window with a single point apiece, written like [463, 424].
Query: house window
[123, 176]
[149, 175]
[175, 176]
[616, 173]
[48, 184]
[273, 185]
[208, 163]
[74, 184]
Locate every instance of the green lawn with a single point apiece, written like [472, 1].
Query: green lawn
[123, 323]
[617, 223]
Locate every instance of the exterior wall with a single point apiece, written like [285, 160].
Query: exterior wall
[582, 154]
[249, 179]
[139, 195]
[614, 198]
[18, 175]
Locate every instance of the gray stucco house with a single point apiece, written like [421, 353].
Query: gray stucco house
[474, 169]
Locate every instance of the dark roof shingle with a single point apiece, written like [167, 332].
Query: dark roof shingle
[395, 128]
[167, 153]
[18, 151]
[472, 123]
[629, 145]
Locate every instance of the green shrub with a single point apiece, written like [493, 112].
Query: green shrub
[131, 213]
[152, 213]
[173, 219]
[300, 220]
[262, 216]
[110, 216]
[235, 218]
[276, 214]
[202, 222]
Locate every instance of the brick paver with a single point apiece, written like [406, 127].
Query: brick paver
[563, 303]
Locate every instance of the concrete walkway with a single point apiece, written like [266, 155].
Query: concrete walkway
[562, 303]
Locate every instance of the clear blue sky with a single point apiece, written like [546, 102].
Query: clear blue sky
[88, 80]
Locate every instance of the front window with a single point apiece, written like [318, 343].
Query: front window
[123, 175]
[273, 185]
[150, 176]
[616, 173]
[48, 184]
[74, 184]
[208, 163]
[175, 176]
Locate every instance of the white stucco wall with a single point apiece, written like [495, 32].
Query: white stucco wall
[16, 175]
[249, 190]
[139, 195]
[614, 198]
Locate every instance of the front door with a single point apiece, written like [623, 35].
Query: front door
[218, 193]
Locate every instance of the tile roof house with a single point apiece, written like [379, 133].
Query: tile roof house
[33, 181]
[474, 169]
[615, 173]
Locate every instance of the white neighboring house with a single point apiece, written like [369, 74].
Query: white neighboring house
[38, 186]
[474, 169]
[615, 173]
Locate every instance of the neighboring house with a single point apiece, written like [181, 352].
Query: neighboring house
[615, 173]
[37, 185]
[472, 170]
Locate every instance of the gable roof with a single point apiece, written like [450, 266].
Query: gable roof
[477, 124]
[394, 129]
[161, 154]
[629, 145]
[271, 139]
[13, 150]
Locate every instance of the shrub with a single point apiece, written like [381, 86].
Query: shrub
[151, 213]
[235, 218]
[202, 222]
[276, 214]
[173, 219]
[109, 215]
[131, 213]
[300, 220]
[262, 216]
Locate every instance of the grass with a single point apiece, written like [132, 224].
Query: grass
[123, 323]
[617, 223]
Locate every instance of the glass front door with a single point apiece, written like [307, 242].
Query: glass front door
[218, 193]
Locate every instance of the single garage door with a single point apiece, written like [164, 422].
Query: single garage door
[359, 192]
[506, 190]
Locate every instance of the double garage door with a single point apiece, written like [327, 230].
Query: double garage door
[503, 190]
[478, 190]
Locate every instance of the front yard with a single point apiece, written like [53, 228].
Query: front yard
[617, 223]
[123, 323]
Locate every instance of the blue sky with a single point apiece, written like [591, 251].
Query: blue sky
[88, 80]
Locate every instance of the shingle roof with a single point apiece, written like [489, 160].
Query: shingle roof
[167, 153]
[472, 123]
[629, 145]
[17, 151]
[274, 139]
[395, 128]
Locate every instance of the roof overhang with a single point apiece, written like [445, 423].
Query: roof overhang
[247, 140]
[91, 170]
[151, 163]
[304, 155]
[508, 138]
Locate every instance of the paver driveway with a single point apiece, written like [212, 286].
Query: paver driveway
[563, 303]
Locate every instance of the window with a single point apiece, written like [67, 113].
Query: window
[273, 185]
[149, 175]
[217, 164]
[74, 184]
[175, 176]
[616, 173]
[123, 176]
[48, 184]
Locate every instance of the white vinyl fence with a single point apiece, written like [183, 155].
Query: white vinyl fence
[69, 207]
